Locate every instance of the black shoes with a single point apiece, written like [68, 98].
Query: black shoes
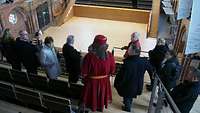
[126, 109]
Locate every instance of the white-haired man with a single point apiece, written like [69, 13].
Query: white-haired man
[72, 59]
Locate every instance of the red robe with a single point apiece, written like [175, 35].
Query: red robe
[97, 92]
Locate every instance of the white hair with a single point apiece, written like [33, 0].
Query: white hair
[135, 36]
[161, 41]
[70, 39]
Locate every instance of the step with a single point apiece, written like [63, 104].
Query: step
[115, 1]
[106, 4]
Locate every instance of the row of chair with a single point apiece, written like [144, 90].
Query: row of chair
[41, 83]
[54, 104]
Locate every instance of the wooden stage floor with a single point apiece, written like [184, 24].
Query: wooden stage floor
[85, 29]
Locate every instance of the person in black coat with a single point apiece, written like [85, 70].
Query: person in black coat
[130, 79]
[72, 59]
[168, 71]
[27, 53]
[8, 50]
[156, 56]
[186, 93]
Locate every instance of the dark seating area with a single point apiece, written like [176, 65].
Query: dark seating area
[56, 104]
[39, 82]
[7, 91]
[59, 87]
[38, 91]
[5, 75]
[76, 90]
[20, 78]
[28, 96]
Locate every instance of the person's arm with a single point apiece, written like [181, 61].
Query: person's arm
[43, 60]
[74, 54]
[124, 48]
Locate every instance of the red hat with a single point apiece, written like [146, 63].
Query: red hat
[100, 39]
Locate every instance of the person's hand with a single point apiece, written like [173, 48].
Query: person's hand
[123, 48]
[112, 75]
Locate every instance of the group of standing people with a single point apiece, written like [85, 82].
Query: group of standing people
[31, 53]
[165, 61]
[162, 61]
[97, 66]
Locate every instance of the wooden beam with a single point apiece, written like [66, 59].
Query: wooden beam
[155, 19]
[111, 13]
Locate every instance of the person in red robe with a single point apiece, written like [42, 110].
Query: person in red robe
[98, 65]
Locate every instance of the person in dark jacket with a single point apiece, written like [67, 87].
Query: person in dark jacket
[72, 59]
[168, 72]
[130, 79]
[8, 50]
[186, 93]
[37, 40]
[27, 53]
[156, 56]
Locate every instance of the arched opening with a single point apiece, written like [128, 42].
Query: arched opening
[17, 21]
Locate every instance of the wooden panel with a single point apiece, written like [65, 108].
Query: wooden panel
[118, 14]
[155, 19]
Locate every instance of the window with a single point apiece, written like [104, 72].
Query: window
[13, 18]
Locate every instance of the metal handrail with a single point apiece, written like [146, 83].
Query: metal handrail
[162, 90]
[121, 49]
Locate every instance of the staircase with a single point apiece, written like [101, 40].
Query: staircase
[141, 4]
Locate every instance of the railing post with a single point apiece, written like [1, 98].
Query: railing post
[160, 100]
[157, 101]
[153, 95]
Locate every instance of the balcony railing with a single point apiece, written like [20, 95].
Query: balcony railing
[158, 96]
